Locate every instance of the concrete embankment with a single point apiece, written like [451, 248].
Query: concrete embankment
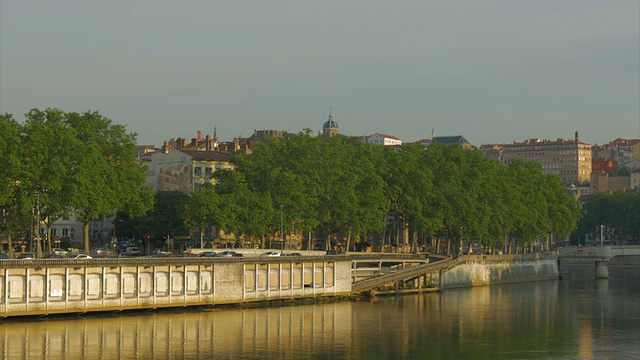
[625, 261]
[476, 270]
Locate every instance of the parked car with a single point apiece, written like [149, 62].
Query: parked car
[293, 254]
[59, 251]
[271, 254]
[26, 256]
[82, 257]
[4, 255]
[101, 251]
[229, 253]
[133, 251]
[208, 254]
[52, 256]
[158, 252]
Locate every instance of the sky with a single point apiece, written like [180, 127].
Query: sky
[492, 71]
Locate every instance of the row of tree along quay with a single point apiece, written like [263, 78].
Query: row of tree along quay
[335, 190]
[340, 190]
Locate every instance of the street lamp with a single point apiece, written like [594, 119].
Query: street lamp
[38, 245]
[281, 228]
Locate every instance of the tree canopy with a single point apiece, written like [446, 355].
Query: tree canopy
[340, 187]
[63, 162]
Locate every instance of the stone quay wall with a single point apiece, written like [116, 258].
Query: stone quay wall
[477, 270]
[44, 287]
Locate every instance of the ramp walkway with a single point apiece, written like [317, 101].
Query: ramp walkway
[406, 274]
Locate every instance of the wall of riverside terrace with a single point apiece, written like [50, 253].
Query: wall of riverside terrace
[42, 287]
[477, 270]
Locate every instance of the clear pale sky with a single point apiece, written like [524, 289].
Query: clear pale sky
[493, 71]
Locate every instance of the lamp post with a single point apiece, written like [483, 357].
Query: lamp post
[114, 242]
[38, 245]
[281, 228]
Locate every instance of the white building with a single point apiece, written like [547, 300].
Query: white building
[382, 139]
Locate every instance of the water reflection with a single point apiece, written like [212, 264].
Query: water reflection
[581, 318]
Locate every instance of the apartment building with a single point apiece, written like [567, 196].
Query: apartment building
[569, 159]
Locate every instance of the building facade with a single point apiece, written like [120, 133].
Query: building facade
[569, 159]
[382, 139]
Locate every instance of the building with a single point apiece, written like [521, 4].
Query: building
[447, 140]
[603, 166]
[204, 164]
[634, 181]
[330, 127]
[603, 182]
[629, 149]
[569, 159]
[184, 170]
[382, 139]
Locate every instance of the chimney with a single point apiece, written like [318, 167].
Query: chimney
[577, 138]
[199, 135]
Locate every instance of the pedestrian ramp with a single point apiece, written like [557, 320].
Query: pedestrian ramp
[400, 275]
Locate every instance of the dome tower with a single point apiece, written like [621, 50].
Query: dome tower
[330, 127]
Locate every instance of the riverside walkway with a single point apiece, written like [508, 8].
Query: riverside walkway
[60, 286]
[64, 286]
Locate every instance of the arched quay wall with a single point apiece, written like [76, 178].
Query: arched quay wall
[66, 286]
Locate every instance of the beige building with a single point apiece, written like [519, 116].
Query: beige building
[603, 182]
[569, 159]
[184, 170]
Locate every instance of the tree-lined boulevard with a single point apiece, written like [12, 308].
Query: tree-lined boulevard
[57, 162]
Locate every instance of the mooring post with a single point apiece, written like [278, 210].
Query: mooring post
[602, 269]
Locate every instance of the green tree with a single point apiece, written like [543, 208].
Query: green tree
[161, 222]
[49, 145]
[201, 210]
[11, 168]
[618, 212]
[107, 176]
[240, 210]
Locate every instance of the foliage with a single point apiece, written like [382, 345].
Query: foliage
[622, 171]
[336, 187]
[619, 212]
[65, 162]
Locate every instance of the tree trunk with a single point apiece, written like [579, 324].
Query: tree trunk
[10, 244]
[85, 230]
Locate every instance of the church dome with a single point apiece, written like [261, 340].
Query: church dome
[330, 124]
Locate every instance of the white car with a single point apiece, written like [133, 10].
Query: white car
[82, 257]
[60, 252]
[271, 254]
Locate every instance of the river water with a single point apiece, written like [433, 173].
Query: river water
[576, 318]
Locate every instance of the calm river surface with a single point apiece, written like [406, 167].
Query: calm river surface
[579, 318]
